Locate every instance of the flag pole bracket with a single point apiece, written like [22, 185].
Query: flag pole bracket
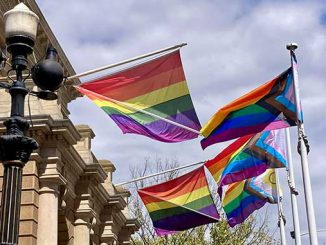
[306, 142]
[281, 217]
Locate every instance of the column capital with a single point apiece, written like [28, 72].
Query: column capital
[50, 165]
[130, 227]
[109, 168]
[117, 202]
[94, 172]
[109, 239]
[84, 213]
[84, 218]
[110, 231]
[51, 183]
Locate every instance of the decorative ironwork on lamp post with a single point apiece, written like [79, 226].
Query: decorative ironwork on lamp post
[15, 147]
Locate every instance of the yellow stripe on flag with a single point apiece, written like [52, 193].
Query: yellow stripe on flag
[179, 201]
[159, 96]
[121, 108]
[234, 193]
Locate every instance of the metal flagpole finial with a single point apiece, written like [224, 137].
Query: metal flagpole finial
[292, 46]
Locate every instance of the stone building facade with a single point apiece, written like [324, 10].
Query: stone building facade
[68, 196]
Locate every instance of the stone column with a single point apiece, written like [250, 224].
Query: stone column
[109, 169]
[47, 230]
[84, 216]
[108, 236]
[50, 180]
[124, 236]
[82, 231]
[112, 221]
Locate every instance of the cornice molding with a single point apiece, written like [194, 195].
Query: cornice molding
[117, 202]
[107, 165]
[95, 172]
[53, 129]
[49, 179]
[85, 131]
[119, 219]
[132, 225]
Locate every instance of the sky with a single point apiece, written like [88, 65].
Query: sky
[233, 47]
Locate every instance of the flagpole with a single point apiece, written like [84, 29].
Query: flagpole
[126, 61]
[302, 147]
[281, 219]
[128, 106]
[156, 174]
[294, 193]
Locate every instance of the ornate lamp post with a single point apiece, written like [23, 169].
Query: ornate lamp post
[15, 147]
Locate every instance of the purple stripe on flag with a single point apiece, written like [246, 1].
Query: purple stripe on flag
[186, 220]
[163, 232]
[210, 210]
[244, 174]
[246, 211]
[158, 130]
[186, 118]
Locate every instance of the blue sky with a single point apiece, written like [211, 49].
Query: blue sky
[233, 47]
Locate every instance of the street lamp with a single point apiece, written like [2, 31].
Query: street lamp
[15, 147]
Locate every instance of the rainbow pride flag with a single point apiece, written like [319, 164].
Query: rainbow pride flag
[181, 203]
[150, 99]
[270, 106]
[249, 156]
[242, 198]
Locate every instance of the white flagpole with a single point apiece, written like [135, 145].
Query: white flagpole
[304, 154]
[126, 61]
[156, 174]
[280, 209]
[294, 193]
